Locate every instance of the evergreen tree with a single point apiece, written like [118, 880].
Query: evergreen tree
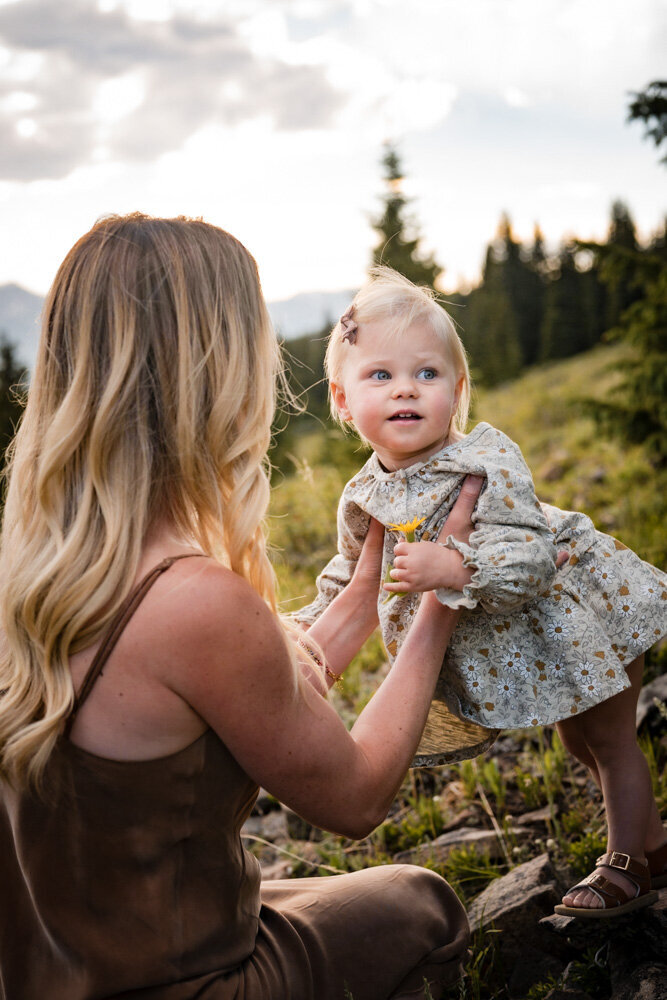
[650, 107]
[13, 382]
[524, 287]
[490, 328]
[537, 257]
[620, 286]
[565, 327]
[398, 246]
[638, 411]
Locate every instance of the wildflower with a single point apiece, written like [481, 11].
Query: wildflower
[408, 528]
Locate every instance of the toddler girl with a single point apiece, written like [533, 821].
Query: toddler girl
[533, 646]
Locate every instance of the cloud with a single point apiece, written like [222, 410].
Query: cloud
[187, 72]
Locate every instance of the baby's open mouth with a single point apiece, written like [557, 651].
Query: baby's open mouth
[406, 415]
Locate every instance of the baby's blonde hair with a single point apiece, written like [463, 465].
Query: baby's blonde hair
[390, 298]
[152, 398]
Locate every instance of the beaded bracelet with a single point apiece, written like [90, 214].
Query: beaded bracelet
[322, 664]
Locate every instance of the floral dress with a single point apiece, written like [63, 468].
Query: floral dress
[533, 645]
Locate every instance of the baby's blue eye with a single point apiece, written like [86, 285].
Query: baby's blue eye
[426, 374]
[381, 375]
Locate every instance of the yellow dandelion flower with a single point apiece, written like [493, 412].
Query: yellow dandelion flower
[408, 528]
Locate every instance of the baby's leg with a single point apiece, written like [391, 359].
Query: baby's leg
[605, 739]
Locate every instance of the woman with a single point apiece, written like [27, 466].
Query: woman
[147, 684]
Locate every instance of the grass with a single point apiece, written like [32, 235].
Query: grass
[528, 770]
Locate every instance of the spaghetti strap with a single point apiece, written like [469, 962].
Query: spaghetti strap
[114, 631]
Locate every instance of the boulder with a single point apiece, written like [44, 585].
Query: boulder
[633, 948]
[562, 993]
[647, 981]
[512, 906]
[438, 850]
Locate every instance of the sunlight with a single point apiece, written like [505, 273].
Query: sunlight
[26, 127]
[18, 101]
[118, 97]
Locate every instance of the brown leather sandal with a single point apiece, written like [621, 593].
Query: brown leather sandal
[657, 866]
[615, 899]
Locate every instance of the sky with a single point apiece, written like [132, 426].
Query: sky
[268, 118]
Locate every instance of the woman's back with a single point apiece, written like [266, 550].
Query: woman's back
[127, 873]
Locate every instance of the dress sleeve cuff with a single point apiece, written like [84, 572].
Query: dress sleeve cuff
[469, 596]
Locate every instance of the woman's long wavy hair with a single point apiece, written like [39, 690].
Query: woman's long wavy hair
[152, 398]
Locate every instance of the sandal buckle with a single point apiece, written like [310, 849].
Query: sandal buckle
[619, 860]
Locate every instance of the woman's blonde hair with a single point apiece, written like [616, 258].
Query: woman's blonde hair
[390, 298]
[152, 398]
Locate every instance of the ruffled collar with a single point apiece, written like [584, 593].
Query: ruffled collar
[435, 462]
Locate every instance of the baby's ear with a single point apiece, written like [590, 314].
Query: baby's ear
[458, 390]
[339, 401]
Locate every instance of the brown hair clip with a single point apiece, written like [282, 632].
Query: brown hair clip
[349, 326]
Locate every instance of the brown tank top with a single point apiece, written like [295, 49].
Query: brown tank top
[125, 875]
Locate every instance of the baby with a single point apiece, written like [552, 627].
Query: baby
[531, 647]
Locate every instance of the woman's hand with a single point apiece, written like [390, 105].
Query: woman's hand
[369, 565]
[343, 627]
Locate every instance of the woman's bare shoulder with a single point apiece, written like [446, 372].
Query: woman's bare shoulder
[198, 597]
[204, 617]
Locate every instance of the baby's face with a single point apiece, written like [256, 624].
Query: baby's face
[400, 392]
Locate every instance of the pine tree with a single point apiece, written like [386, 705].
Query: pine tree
[524, 287]
[399, 243]
[621, 291]
[650, 107]
[490, 327]
[565, 327]
[637, 413]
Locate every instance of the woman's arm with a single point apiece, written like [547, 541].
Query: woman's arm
[239, 677]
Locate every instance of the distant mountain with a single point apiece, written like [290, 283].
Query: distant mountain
[308, 312]
[19, 320]
[305, 313]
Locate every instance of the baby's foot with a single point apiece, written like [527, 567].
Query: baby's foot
[587, 899]
[619, 884]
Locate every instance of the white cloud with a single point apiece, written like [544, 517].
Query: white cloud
[81, 64]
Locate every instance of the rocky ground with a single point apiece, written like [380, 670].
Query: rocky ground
[510, 864]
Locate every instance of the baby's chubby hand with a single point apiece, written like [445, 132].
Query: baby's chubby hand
[422, 566]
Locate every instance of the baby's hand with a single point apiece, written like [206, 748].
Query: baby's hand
[421, 566]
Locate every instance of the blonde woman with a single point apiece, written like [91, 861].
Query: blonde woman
[147, 685]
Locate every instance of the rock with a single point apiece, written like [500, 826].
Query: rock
[462, 818]
[639, 935]
[282, 868]
[512, 906]
[298, 827]
[438, 850]
[646, 982]
[562, 993]
[532, 886]
[633, 948]
[647, 711]
[253, 826]
[537, 816]
[270, 826]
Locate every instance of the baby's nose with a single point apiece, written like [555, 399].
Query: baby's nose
[404, 387]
